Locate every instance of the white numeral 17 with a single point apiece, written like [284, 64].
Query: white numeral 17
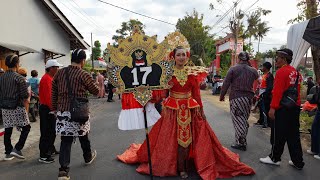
[147, 71]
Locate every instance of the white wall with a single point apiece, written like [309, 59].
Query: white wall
[28, 23]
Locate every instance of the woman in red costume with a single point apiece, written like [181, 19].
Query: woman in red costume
[182, 133]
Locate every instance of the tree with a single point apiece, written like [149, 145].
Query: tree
[96, 50]
[210, 50]
[225, 63]
[262, 30]
[192, 28]
[126, 29]
[308, 10]
[255, 27]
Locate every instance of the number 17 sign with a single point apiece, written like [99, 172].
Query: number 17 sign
[139, 66]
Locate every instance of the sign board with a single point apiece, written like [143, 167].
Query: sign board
[138, 66]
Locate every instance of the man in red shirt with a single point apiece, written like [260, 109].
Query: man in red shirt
[47, 118]
[285, 121]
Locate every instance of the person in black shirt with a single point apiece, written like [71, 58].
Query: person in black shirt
[310, 84]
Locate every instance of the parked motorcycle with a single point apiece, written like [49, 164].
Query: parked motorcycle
[34, 107]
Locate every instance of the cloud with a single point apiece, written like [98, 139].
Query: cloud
[103, 20]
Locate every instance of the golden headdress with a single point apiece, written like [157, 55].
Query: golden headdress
[174, 40]
[121, 55]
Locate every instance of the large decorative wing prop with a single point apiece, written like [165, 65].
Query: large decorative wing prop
[138, 64]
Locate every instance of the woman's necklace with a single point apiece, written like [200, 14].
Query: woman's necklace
[181, 75]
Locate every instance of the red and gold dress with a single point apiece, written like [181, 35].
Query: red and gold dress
[182, 125]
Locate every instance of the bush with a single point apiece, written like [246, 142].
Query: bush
[305, 121]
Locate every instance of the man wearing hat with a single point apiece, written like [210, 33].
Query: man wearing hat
[285, 121]
[47, 118]
[241, 78]
[265, 95]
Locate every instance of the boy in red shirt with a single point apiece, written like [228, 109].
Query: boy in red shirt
[285, 122]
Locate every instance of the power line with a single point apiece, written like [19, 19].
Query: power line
[137, 13]
[86, 15]
[251, 5]
[221, 30]
[77, 14]
[227, 12]
[217, 10]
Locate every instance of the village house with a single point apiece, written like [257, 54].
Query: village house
[37, 30]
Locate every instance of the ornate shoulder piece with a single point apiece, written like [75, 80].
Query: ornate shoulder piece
[196, 70]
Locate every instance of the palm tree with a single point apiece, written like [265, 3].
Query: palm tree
[255, 25]
[253, 20]
[262, 29]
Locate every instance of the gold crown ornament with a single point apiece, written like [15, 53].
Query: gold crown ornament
[176, 39]
[121, 55]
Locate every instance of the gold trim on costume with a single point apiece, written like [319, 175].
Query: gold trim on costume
[184, 126]
[187, 143]
[179, 95]
[181, 75]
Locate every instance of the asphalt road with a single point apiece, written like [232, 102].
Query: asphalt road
[109, 141]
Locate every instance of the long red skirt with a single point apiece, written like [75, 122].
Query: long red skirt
[211, 159]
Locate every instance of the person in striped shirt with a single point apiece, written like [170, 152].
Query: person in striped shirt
[13, 95]
[80, 82]
[241, 78]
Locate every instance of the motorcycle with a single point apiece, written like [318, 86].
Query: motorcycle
[34, 106]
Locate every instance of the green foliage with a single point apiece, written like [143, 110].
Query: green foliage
[225, 62]
[210, 51]
[97, 44]
[256, 28]
[87, 66]
[303, 70]
[191, 26]
[271, 53]
[307, 8]
[305, 121]
[96, 50]
[247, 47]
[126, 29]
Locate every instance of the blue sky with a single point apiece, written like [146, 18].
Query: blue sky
[103, 20]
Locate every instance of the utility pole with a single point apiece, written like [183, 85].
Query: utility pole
[92, 53]
[234, 27]
[235, 33]
[234, 30]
